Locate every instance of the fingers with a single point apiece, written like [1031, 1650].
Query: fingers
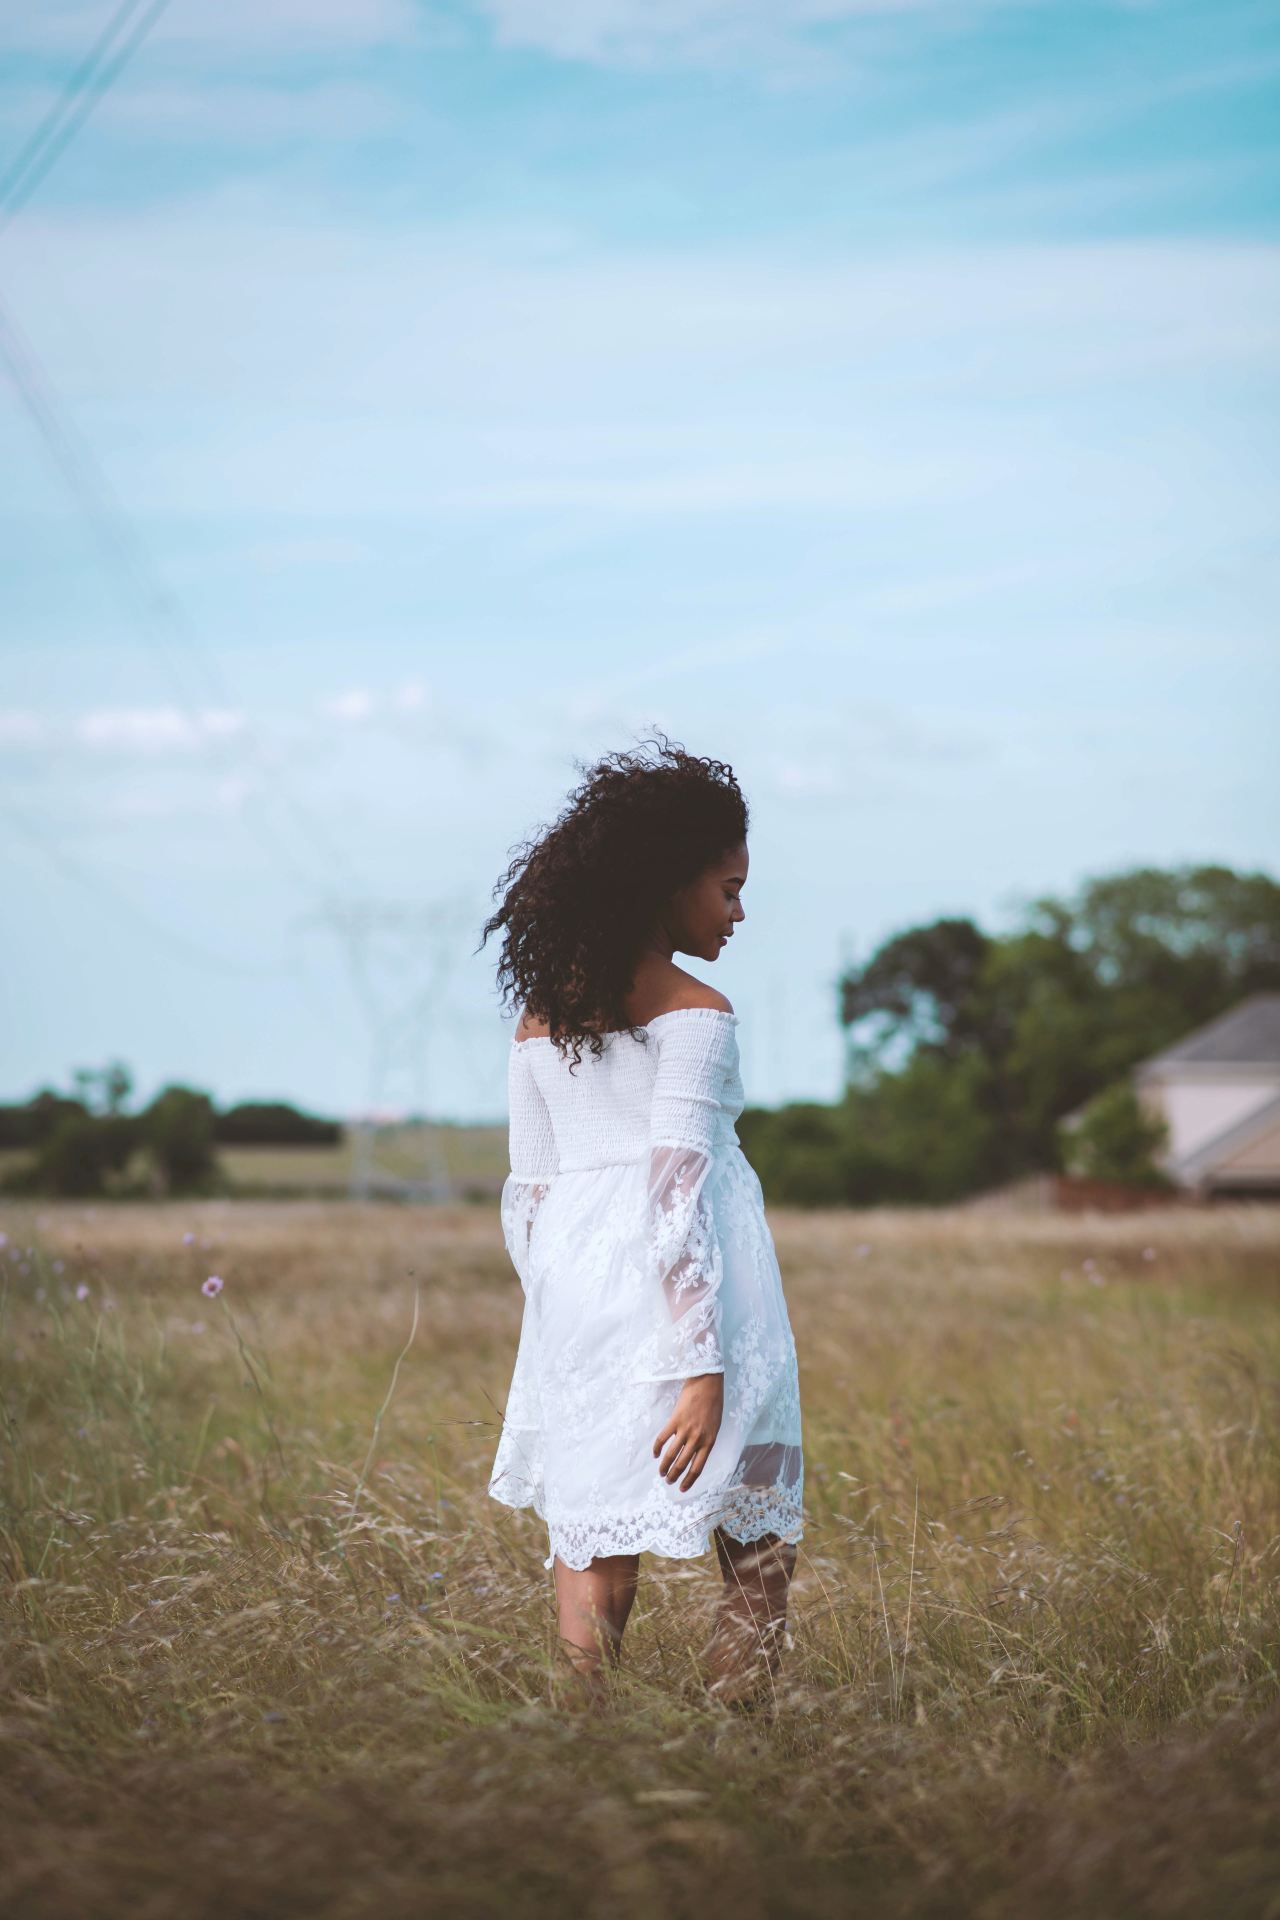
[699, 1462]
[687, 1454]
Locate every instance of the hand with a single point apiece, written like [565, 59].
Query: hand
[692, 1429]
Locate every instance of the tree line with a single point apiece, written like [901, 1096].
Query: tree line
[966, 1050]
[90, 1144]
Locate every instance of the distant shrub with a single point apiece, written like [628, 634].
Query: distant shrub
[84, 1152]
[24, 1127]
[805, 1155]
[1116, 1139]
[273, 1123]
[178, 1128]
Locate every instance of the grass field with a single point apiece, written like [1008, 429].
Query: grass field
[270, 1649]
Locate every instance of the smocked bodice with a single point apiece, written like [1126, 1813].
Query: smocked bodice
[602, 1113]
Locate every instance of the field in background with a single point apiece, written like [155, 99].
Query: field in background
[268, 1653]
[474, 1158]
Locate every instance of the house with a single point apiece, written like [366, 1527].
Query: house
[1219, 1093]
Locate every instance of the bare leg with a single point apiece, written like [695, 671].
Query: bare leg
[594, 1605]
[745, 1651]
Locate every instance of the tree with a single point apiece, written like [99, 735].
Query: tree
[84, 1152]
[919, 989]
[1062, 1006]
[273, 1123]
[104, 1089]
[178, 1127]
[1117, 1138]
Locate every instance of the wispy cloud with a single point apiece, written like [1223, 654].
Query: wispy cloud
[645, 34]
[155, 730]
[233, 27]
[735, 380]
[353, 706]
[21, 730]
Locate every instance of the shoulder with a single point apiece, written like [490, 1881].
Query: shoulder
[527, 1028]
[686, 992]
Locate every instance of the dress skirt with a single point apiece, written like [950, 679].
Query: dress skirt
[581, 1419]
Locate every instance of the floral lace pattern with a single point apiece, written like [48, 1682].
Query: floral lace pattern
[639, 1272]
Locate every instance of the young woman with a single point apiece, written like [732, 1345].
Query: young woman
[654, 1405]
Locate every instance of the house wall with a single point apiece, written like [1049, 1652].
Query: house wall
[1197, 1109]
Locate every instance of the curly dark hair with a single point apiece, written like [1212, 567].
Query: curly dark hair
[579, 898]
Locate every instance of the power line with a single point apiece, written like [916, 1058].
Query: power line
[79, 97]
[166, 626]
[155, 607]
[393, 1031]
[86, 877]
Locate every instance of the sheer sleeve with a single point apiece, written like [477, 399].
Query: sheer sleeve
[534, 1159]
[676, 1245]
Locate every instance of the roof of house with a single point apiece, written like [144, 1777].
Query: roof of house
[1246, 1035]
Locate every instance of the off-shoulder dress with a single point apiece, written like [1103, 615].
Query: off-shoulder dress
[637, 1227]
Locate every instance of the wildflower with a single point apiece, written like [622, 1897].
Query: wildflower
[4, 1240]
[59, 1266]
[212, 1285]
[82, 1291]
[188, 1239]
[862, 1249]
[1148, 1253]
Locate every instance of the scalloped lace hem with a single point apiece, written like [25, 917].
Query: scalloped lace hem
[744, 1516]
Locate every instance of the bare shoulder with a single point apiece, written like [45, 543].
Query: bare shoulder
[527, 1028]
[685, 991]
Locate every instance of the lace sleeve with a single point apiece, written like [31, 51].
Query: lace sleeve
[677, 1245]
[534, 1159]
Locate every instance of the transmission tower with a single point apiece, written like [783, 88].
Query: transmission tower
[399, 959]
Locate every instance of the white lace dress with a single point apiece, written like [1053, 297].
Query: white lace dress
[637, 1227]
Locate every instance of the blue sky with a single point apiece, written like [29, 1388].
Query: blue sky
[880, 397]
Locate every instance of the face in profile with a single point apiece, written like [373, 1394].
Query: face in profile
[704, 913]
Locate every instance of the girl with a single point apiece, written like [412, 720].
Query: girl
[654, 1405]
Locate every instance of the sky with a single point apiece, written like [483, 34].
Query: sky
[403, 405]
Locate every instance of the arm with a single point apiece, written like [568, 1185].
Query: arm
[534, 1159]
[679, 1250]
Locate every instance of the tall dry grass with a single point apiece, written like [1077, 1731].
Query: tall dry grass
[269, 1647]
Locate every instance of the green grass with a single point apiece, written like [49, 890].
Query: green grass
[270, 1648]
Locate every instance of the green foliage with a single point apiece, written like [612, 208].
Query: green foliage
[178, 1127]
[966, 1051]
[26, 1126]
[1116, 1138]
[104, 1089]
[85, 1153]
[805, 1156]
[273, 1123]
[83, 1147]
